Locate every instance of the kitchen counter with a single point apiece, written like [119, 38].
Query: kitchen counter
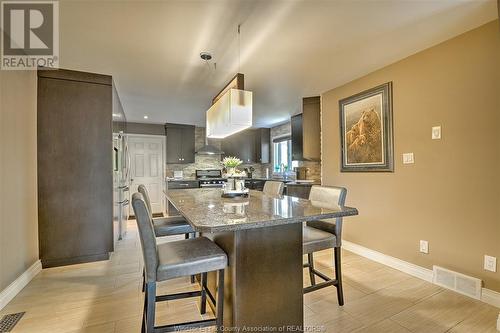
[207, 211]
[262, 237]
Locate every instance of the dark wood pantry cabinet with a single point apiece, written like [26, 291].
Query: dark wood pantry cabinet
[75, 167]
[180, 143]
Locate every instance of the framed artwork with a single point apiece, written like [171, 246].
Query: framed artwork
[366, 131]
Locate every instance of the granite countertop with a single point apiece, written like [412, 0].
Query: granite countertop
[206, 211]
[180, 179]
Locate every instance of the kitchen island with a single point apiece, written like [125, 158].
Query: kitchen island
[262, 236]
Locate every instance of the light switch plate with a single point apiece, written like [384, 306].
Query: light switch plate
[436, 133]
[408, 158]
[490, 263]
[424, 246]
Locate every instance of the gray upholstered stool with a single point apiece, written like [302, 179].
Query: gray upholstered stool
[176, 259]
[166, 226]
[325, 234]
[273, 188]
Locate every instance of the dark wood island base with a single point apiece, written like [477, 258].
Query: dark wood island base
[264, 279]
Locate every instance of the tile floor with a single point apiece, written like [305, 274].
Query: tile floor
[105, 297]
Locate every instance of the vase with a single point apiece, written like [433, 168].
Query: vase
[231, 171]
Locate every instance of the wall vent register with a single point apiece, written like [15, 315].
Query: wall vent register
[8, 322]
[460, 283]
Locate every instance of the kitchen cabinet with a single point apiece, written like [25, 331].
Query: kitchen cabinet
[180, 143]
[179, 184]
[298, 190]
[306, 131]
[255, 184]
[263, 145]
[75, 167]
[251, 146]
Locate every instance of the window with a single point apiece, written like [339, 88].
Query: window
[282, 153]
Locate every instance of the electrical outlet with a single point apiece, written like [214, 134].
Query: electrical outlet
[424, 246]
[408, 158]
[436, 133]
[490, 263]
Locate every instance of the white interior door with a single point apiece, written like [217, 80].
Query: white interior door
[146, 167]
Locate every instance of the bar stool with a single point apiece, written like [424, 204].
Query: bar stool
[177, 259]
[166, 226]
[325, 234]
[273, 188]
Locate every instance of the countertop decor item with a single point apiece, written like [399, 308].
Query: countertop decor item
[235, 185]
[230, 163]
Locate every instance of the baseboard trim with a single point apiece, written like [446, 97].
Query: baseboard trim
[49, 263]
[491, 297]
[400, 265]
[487, 295]
[18, 284]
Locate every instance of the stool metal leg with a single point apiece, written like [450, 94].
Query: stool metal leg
[310, 260]
[143, 280]
[203, 305]
[150, 306]
[188, 236]
[143, 326]
[338, 275]
[220, 302]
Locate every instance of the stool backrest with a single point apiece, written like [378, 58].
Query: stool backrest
[328, 195]
[145, 195]
[273, 188]
[331, 197]
[147, 236]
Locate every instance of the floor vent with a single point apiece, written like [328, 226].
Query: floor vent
[8, 322]
[463, 284]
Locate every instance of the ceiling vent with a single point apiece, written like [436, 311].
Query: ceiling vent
[462, 284]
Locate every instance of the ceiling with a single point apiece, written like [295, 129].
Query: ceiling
[288, 49]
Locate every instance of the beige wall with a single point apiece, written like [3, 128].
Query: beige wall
[451, 195]
[18, 184]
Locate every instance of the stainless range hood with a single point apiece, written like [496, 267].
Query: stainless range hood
[209, 150]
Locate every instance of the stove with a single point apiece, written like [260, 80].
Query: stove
[210, 178]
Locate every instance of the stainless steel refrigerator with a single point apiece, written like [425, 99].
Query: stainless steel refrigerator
[121, 183]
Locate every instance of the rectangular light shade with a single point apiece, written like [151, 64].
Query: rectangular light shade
[231, 114]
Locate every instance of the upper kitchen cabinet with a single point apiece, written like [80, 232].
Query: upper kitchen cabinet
[251, 146]
[263, 145]
[306, 131]
[180, 143]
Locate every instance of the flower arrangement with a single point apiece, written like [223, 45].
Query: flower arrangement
[231, 162]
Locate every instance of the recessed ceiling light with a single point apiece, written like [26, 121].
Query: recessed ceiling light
[117, 115]
[146, 117]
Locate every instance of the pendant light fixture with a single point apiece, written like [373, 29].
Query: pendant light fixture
[231, 111]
